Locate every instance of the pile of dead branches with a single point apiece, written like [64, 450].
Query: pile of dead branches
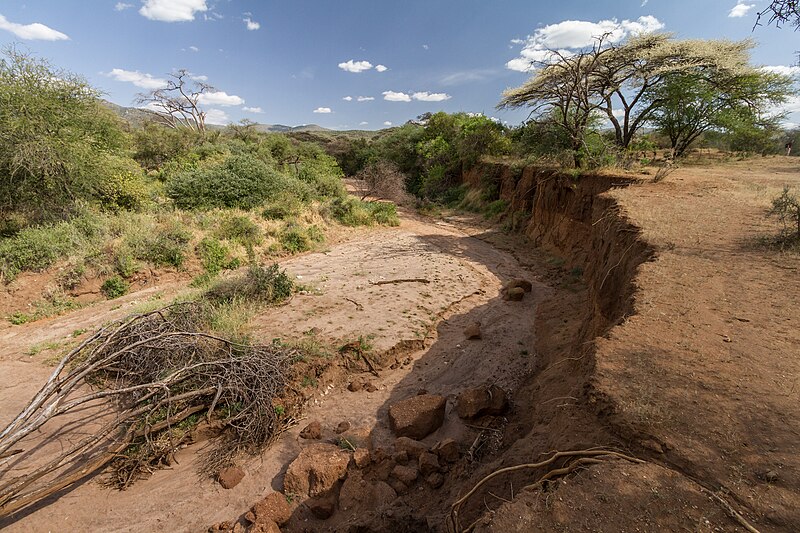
[145, 381]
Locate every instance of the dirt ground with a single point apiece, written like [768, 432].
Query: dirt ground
[698, 379]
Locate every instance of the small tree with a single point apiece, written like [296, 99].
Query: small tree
[786, 208]
[178, 104]
[384, 179]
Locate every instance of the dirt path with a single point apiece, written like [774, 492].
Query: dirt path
[345, 300]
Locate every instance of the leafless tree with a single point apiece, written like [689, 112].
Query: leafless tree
[178, 104]
[383, 179]
[780, 12]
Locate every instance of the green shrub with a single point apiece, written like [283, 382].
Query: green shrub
[215, 256]
[283, 208]
[114, 287]
[242, 181]
[240, 229]
[166, 246]
[295, 238]
[323, 175]
[270, 285]
[494, 209]
[124, 263]
[353, 212]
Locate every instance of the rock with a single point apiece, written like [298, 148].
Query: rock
[473, 332]
[316, 470]
[355, 386]
[428, 463]
[435, 480]
[322, 507]
[447, 450]
[417, 417]
[482, 401]
[400, 457]
[379, 454]
[514, 295]
[312, 431]
[397, 486]
[222, 526]
[358, 493]
[412, 447]
[238, 528]
[361, 457]
[230, 477]
[273, 508]
[406, 474]
[771, 476]
[370, 387]
[267, 526]
[519, 283]
[342, 427]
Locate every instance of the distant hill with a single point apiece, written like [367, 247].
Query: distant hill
[137, 117]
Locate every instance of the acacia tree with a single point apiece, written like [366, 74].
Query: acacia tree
[178, 104]
[565, 91]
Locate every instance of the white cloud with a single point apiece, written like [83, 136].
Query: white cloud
[740, 10]
[217, 117]
[792, 71]
[220, 98]
[323, 110]
[348, 98]
[392, 96]
[199, 77]
[139, 79]
[381, 68]
[252, 109]
[365, 98]
[33, 32]
[252, 25]
[194, 49]
[387, 123]
[425, 46]
[425, 96]
[172, 10]
[363, 123]
[122, 6]
[573, 34]
[469, 76]
[355, 66]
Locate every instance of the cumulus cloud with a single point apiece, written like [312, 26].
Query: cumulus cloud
[217, 117]
[365, 98]
[355, 66]
[172, 10]
[251, 24]
[381, 68]
[348, 98]
[425, 96]
[252, 109]
[139, 79]
[393, 96]
[387, 123]
[32, 32]
[363, 123]
[740, 10]
[122, 6]
[220, 98]
[194, 49]
[792, 71]
[574, 34]
[323, 110]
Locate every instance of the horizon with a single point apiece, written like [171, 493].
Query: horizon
[378, 66]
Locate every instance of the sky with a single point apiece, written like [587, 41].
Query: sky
[354, 64]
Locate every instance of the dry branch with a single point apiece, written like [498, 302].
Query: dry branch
[393, 281]
[149, 377]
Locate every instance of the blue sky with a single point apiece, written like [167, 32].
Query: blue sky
[294, 62]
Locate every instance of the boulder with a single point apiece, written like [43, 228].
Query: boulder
[358, 493]
[473, 332]
[355, 386]
[230, 477]
[514, 295]
[482, 401]
[519, 283]
[316, 470]
[312, 431]
[447, 450]
[413, 448]
[273, 508]
[428, 463]
[417, 417]
[406, 474]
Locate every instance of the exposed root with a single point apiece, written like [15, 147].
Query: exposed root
[733, 513]
[584, 457]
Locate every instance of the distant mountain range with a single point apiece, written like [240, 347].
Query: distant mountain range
[137, 116]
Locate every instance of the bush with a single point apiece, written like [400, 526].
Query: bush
[215, 256]
[242, 181]
[786, 208]
[494, 209]
[241, 230]
[114, 287]
[166, 246]
[295, 238]
[323, 175]
[353, 212]
[270, 285]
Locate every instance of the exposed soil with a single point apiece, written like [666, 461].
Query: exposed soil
[656, 326]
